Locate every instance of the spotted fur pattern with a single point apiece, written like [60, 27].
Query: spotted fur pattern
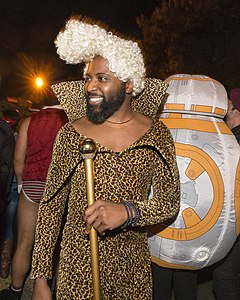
[124, 255]
[71, 95]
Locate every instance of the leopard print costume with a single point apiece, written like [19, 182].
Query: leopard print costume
[124, 257]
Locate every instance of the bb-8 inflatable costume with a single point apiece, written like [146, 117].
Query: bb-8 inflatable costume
[208, 159]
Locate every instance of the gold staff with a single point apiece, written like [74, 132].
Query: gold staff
[88, 149]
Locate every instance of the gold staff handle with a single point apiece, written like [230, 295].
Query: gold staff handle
[88, 149]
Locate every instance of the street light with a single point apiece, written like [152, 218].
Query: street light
[39, 82]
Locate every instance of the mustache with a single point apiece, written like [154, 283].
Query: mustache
[89, 94]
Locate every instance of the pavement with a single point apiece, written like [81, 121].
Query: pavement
[204, 287]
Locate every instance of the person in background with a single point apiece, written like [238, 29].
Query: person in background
[226, 274]
[7, 146]
[32, 157]
[233, 114]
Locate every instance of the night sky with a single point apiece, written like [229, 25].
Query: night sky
[28, 29]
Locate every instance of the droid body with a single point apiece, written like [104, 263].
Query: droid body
[208, 160]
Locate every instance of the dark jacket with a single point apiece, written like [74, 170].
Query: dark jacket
[236, 132]
[7, 145]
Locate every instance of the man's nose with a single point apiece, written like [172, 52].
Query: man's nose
[92, 85]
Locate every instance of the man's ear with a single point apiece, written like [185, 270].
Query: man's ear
[129, 87]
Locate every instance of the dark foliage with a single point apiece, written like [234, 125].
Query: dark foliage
[194, 37]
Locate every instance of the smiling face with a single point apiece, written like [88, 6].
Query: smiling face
[105, 93]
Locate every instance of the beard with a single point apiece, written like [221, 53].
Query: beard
[108, 107]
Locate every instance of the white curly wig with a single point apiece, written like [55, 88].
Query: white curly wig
[81, 42]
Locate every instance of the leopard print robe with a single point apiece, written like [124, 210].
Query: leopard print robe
[125, 271]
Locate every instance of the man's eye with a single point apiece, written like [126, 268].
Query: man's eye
[102, 78]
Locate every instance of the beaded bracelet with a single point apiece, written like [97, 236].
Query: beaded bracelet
[130, 208]
[136, 218]
[128, 216]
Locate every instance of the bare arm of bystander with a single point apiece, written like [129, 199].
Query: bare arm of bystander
[21, 150]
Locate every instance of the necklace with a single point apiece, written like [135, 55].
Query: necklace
[120, 123]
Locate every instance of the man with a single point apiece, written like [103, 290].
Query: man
[133, 152]
[31, 161]
[233, 114]
[226, 280]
